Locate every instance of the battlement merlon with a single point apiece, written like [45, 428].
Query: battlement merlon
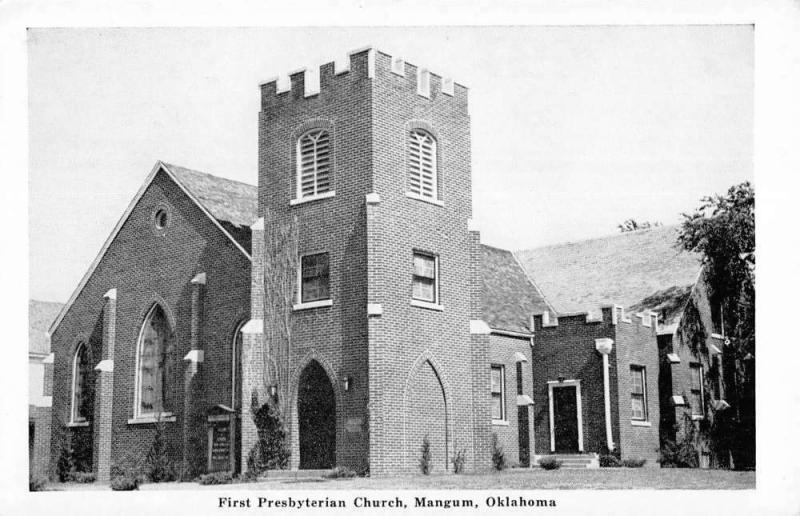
[613, 314]
[359, 64]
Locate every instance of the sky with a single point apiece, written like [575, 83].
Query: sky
[574, 129]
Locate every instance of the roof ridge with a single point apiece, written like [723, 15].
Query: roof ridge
[611, 236]
[201, 173]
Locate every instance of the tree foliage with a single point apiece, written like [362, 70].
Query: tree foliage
[722, 230]
[634, 225]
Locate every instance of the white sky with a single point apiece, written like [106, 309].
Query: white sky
[574, 129]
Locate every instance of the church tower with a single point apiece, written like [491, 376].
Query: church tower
[365, 195]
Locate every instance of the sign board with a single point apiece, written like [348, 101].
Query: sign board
[353, 424]
[219, 447]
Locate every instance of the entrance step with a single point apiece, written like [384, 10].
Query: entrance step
[572, 460]
[293, 474]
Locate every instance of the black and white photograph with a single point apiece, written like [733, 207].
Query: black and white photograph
[355, 267]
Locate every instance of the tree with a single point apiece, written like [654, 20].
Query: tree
[722, 230]
[633, 225]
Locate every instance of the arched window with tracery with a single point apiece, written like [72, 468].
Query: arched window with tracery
[422, 165]
[314, 164]
[154, 358]
[81, 378]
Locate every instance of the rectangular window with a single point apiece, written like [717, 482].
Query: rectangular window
[697, 390]
[638, 393]
[498, 392]
[425, 278]
[314, 278]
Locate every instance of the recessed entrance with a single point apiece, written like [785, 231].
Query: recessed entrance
[316, 418]
[566, 427]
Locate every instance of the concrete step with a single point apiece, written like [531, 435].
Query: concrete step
[572, 461]
[292, 474]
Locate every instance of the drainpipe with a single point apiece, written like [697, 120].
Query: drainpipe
[604, 347]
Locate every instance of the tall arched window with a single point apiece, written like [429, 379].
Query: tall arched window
[153, 364]
[314, 159]
[422, 174]
[81, 399]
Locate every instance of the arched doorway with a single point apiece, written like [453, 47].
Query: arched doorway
[316, 418]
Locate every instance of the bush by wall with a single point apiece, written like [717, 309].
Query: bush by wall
[609, 461]
[549, 463]
[425, 465]
[634, 463]
[37, 483]
[220, 477]
[498, 455]
[458, 461]
[125, 483]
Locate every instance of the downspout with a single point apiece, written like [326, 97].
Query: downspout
[604, 347]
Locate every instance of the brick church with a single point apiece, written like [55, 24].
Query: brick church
[352, 287]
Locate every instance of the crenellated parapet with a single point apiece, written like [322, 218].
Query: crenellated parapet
[613, 314]
[358, 65]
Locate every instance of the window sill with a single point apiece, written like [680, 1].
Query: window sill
[312, 304]
[427, 304]
[166, 417]
[499, 422]
[640, 423]
[312, 198]
[422, 198]
[77, 424]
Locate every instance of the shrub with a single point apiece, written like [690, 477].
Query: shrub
[633, 463]
[459, 460]
[125, 483]
[549, 463]
[220, 477]
[425, 465]
[158, 466]
[37, 483]
[80, 477]
[271, 451]
[65, 463]
[678, 455]
[341, 472]
[609, 461]
[498, 455]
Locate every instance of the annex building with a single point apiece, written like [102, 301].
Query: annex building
[351, 287]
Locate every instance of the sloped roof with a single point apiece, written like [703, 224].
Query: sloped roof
[640, 270]
[40, 315]
[509, 298]
[226, 200]
[230, 205]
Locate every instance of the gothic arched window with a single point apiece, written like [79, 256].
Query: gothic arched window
[154, 357]
[81, 378]
[422, 174]
[314, 164]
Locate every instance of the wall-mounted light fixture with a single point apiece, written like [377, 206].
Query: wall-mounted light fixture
[348, 382]
[560, 379]
[273, 391]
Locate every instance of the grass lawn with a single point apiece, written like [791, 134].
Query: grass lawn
[607, 478]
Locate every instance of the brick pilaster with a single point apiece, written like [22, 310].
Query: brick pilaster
[479, 340]
[42, 416]
[193, 386]
[104, 392]
[377, 370]
[253, 346]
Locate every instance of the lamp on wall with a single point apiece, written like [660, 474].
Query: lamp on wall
[348, 382]
[560, 379]
[273, 391]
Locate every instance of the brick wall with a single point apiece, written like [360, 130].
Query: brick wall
[567, 350]
[146, 267]
[503, 352]
[636, 344]
[336, 336]
[677, 376]
[370, 249]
